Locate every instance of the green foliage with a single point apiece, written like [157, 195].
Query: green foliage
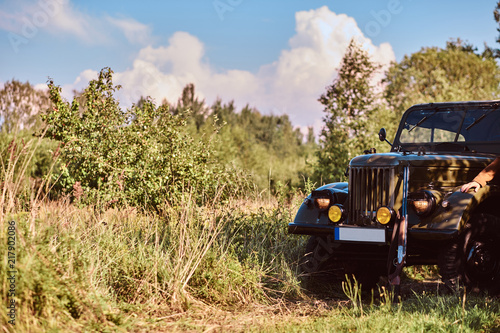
[268, 147]
[259, 239]
[455, 73]
[421, 313]
[25, 163]
[496, 16]
[433, 74]
[143, 156]
[189, 104]
[123, 270]
[352, 289]
[349, 104]
[103, 147]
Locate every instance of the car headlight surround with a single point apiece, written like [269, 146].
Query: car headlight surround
[336, 213]
[423, 202]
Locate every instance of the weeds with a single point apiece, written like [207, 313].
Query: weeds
[352, 289]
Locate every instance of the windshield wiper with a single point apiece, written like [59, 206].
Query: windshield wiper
[479, 119]
[421, 121]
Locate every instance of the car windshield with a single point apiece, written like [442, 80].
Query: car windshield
[451, 125]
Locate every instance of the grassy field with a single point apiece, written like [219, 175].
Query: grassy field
[226, 265]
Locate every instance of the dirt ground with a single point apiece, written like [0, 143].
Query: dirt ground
[202, 317]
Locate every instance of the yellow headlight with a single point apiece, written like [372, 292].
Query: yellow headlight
[322, 203]
[335, 213]
[384, 215]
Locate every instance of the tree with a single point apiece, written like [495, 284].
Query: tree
[267, 147]
[188, 102]
[458, 44]
[496, 15]
[455, 73]
[349, 104]
[20, 105]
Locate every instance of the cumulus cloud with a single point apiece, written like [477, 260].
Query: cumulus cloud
[302, 73]
[291, 84]
[60, 17]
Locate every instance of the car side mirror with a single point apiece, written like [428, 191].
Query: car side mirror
[382, 134]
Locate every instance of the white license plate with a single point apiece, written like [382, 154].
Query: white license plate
[355, 234]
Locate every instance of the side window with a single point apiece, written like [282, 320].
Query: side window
[482, 125]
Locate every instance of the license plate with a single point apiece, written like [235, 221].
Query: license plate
[355, 234]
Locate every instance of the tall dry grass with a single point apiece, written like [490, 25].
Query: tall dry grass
[85, 269]
[18, 190]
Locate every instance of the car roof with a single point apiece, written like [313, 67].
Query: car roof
[457, 103]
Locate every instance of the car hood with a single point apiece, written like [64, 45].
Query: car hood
[427, 160]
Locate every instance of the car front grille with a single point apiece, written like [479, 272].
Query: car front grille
[369, 188]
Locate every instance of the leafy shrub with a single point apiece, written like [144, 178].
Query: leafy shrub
[141, 157]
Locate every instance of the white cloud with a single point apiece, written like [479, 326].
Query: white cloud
[27, 18]
[70, 21]
[303, 72]
[135, 32]
[291, 84]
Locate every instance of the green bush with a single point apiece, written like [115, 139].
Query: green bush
[143, 156]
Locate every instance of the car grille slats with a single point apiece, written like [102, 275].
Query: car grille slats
[369, 188]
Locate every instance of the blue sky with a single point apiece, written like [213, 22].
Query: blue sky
[276, 56]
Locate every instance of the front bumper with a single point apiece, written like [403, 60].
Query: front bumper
[413, 232]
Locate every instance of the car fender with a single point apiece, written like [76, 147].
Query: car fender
[309, 214]
[456, 208]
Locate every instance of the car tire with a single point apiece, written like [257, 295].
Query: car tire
[320, 265]
[318, 257]
[473, 261]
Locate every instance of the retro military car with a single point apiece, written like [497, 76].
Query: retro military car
[405, 207]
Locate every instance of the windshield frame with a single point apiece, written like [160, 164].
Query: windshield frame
[451, 145]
